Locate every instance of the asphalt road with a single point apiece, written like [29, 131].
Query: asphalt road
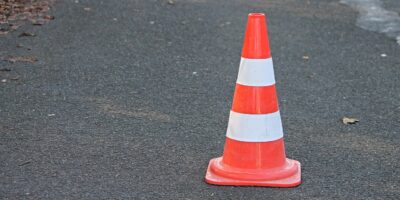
[130, 100]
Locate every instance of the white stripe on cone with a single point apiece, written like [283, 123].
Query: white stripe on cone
[254, 127]
[256, 72]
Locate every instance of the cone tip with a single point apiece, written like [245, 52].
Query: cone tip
[256, 15]
[256, 44]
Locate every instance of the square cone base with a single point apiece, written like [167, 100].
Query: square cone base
[286, 182]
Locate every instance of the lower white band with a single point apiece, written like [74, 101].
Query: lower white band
[256, 72]
[254, 127]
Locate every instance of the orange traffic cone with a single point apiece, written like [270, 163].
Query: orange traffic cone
[254, 153]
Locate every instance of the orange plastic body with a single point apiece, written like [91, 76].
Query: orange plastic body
[256, 44]
[255, 100]
[287, 176]
[254, 163]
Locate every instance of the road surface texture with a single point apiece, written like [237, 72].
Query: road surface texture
[130, 100]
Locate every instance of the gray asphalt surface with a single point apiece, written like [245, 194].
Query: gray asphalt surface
[130, 100]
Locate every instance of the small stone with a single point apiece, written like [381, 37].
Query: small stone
[151, 22]
[4, 80]
[383, 55]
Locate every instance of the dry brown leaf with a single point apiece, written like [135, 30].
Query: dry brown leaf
[349, 120]
[48, 17]
[22, 46]
[3, 32]
[14, 59]
[37, 22]
[26, 34]
[12, 10]
[5, 69]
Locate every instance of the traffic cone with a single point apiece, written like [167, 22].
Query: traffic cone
[254, 153]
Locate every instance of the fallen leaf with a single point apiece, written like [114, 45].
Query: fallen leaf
[5, 69]
[3, 32]
[26, 34]
[14, 59]
[13, 26]
[48, 17]
[37, 22]
[13, 10]
[22, 46]
[349, 120]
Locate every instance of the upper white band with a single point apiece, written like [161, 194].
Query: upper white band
[256, 72]
[254, 127]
